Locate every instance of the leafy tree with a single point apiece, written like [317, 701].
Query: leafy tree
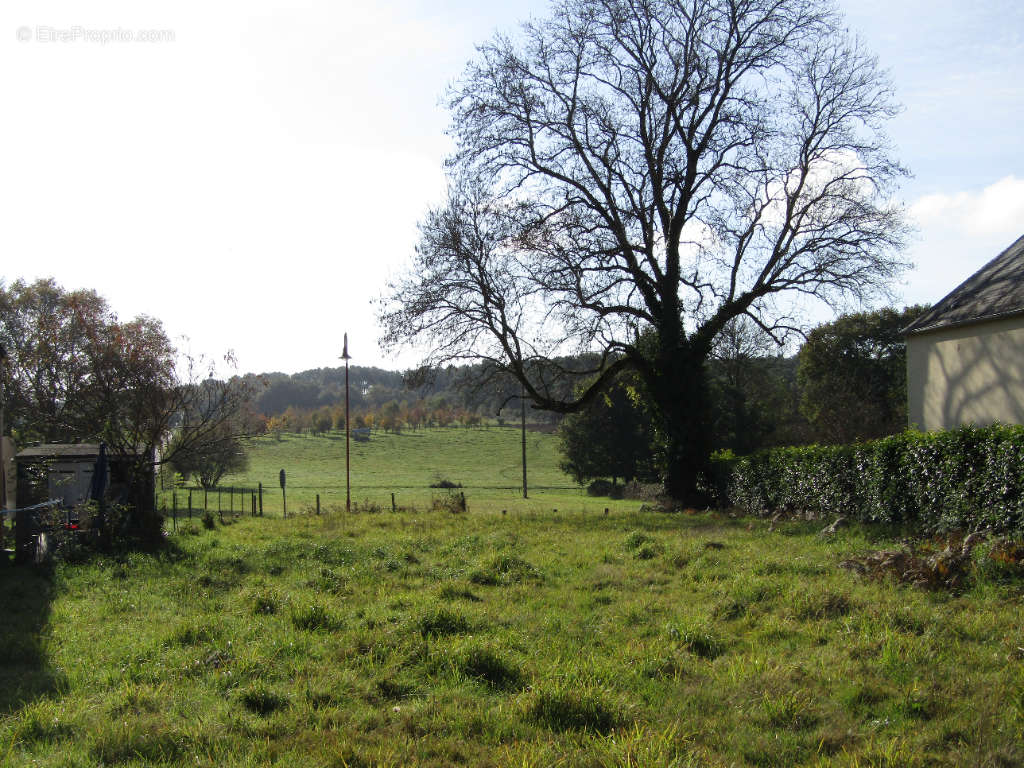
[320, 422]
[611, 437]
[78, 373]
[853, 375]
[277, 425]
[338, 418]
[754, 392]
[222, 452]
[631, 175]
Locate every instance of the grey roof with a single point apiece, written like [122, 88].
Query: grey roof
[65, 450]
[995, 291]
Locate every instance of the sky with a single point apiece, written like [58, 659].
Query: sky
[251, 172]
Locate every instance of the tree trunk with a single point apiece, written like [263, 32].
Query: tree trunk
[680, 394]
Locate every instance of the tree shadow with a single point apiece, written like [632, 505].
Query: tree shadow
[25, 671]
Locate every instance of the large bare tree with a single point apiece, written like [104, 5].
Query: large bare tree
[631, 175]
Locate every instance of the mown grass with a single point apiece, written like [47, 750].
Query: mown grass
[434, 639]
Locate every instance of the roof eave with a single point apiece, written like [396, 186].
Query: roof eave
[942, 325]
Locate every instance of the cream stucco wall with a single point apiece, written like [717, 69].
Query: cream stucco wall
[973, 374]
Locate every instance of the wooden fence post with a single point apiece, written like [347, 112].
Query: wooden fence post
[261, 499]
[318, 503]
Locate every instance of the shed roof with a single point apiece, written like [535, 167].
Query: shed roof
[995, 291]
[63, 450]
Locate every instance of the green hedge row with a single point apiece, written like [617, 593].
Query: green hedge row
[965, 478]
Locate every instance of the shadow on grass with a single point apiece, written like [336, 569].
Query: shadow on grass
[25, 672]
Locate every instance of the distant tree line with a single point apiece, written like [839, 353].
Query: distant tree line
[313, 401]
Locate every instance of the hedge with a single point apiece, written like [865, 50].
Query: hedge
[965, 478]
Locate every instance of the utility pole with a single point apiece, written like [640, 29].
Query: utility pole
[522, 414]
[348, 430]
[3, 457]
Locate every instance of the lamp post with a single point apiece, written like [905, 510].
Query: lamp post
[3, 457]
[348, 427]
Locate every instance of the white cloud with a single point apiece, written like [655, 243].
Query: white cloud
[959, 232]
[995, 211]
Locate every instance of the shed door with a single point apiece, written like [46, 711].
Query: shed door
[70, 482]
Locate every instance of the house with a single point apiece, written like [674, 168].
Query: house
[965, 356]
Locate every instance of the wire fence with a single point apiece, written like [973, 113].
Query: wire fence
[266, 500]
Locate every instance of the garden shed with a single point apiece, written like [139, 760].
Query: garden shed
[965, 356]
[65, 472]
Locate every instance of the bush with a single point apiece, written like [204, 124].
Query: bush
[960, 479]
[451, 502]
[607, 488]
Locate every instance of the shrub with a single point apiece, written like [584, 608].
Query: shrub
[601, 487]
[959, 479]
[451, 502]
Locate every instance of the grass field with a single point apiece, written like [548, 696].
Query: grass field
[529, 638]
[486, 462]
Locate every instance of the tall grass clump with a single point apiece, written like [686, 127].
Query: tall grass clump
[566, 707]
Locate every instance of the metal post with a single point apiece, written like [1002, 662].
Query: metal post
[348, 430]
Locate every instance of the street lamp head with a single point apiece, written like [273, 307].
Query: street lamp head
[345, 355]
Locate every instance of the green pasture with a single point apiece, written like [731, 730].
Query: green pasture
[529, 638]
[485, 461]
